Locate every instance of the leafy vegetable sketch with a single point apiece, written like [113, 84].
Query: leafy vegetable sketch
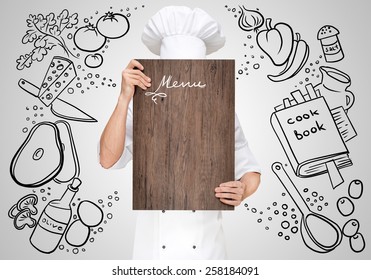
[46, 32]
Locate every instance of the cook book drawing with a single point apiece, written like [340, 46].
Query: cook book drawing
[183, 134]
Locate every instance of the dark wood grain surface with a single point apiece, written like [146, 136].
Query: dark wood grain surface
[184, 144]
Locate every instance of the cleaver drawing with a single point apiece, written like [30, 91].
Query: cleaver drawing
[60, 74]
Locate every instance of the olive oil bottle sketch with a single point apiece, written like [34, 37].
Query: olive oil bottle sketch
[54, 221]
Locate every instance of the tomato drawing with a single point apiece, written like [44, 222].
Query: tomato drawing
[87, 38]
[113, 25]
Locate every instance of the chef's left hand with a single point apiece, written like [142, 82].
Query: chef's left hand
[234, 192]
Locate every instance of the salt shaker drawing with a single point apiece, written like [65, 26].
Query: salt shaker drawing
[328, 36]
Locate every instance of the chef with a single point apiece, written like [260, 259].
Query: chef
[180, 33]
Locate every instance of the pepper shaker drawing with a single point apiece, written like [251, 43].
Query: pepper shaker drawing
[54, 220]
[319, 233]
[328, 36]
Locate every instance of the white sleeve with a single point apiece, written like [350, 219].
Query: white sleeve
[244, 158]
[127, 154]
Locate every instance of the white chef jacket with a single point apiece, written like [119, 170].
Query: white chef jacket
[187, 234]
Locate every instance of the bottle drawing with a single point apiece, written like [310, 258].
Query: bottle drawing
[54, 220]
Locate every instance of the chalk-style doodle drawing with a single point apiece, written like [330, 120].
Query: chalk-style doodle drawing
[276, 42]
[22, 212]
[250, 20]
[334, 88]
[93, 60]
[77, 234]
[357, 242]
[310, 137]
[54, 220]
[350, 228]
[71, 165]
[113, 25]
[45, 32]
[40, 157]
[328, 36]
[87, 38]
[28, 202]
[59, 75]
[345, 206]
[284, 49]
[355, 189]
[318, 232]
[89, 213]
[343, 124]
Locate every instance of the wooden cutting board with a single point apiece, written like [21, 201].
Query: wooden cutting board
[183, 134]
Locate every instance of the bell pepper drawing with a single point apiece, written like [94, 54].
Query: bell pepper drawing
[276, 42]
[283, 49]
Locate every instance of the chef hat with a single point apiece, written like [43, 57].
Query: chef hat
[180, 32]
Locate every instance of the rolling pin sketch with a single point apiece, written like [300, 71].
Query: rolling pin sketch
[318, 232]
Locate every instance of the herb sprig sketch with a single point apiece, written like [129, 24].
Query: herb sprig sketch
[45, 32]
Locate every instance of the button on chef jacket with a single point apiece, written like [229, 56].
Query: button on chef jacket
[180, 32]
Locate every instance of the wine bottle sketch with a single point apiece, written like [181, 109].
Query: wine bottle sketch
[54, 221]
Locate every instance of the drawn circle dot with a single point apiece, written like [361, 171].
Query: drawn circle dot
[75, 251]
[284, 206]
[314, 194]
[110, 197]
[109, 216]
[79, 85]
[276, 212]
[266, 228]
[284, 213]
[280, 234]
[25, 130]
[294, 229]
[256, 66]
[293, 216]
[259, 220]
[70, 90]
[306, 190]
[100, 229]
[91, 239]
[269, 218]
[117, 198]
[109, 204]
[319, 208]
[321, 198]
[287, 237]
[61, 247]
[285, 224]
[274, 204]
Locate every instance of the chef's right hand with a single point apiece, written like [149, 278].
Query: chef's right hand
[133, 76]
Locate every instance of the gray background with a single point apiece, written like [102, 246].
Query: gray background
[256, 98]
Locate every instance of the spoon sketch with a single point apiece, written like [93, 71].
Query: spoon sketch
[319, 233]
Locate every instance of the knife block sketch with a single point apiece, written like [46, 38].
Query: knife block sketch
[47, 153]
[183, 129]
[310, 137]
[318, 232]
[59, 75]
